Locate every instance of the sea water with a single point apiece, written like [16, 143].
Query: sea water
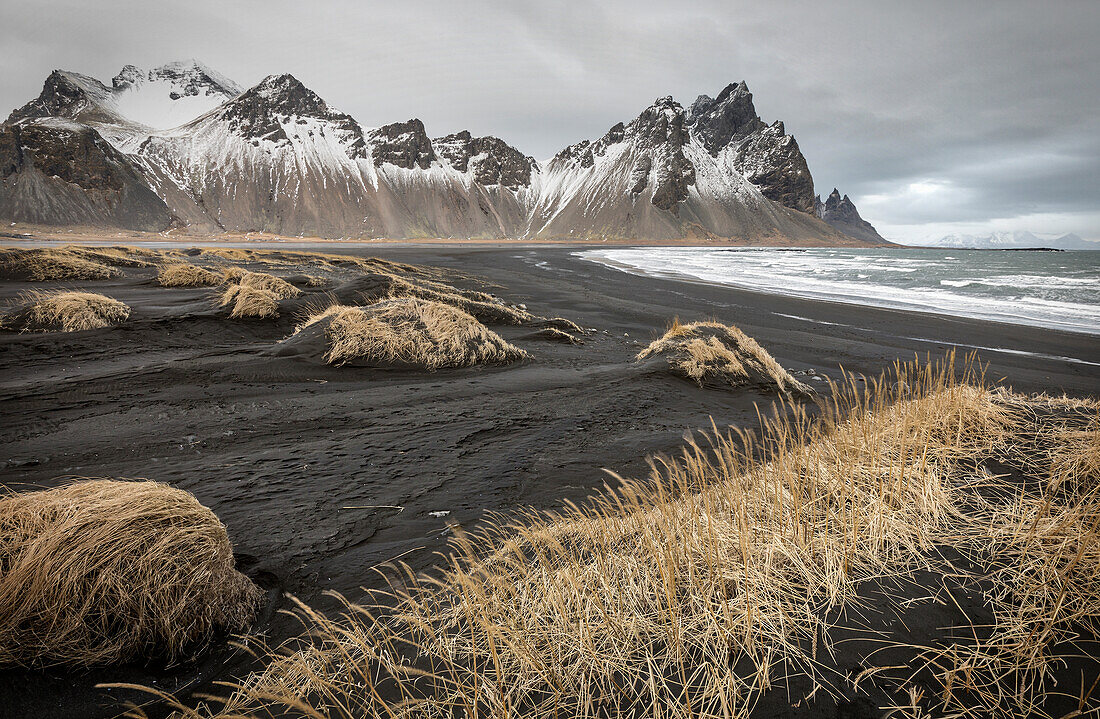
[1058, 290]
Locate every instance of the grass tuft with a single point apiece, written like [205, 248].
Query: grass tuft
[255, 295]
[408, 332]
[63, 311]
[185, 274]
[714, 352]
[102, 571]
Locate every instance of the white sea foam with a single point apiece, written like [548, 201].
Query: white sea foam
[1056, 290]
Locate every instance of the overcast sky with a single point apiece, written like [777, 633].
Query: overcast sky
[935, 117]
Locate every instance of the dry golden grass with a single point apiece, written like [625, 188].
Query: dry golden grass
[249, 302]
[103, 571]
[120, 255]
[479, 304]
[277, 287]
[185, 274]
[696, 591]
[63, 311]
[74, 262]
[711, 351]
[233, 274]
[48, 264]
[409, 332]
[255, 295]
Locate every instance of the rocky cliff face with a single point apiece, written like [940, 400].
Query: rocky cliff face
[281, 106]
[488, 160]
[730, 117]
[276, 157]
[55, 171]
[767, 157]
[841, 213]
[402, 144]
[71, 96]
[659, 137]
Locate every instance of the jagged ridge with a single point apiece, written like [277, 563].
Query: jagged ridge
[276, 157]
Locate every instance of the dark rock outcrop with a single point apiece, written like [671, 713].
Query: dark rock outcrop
[764, 154]
[771, 160]
[490, 160]
[841, 213]
[658, 134]
[68, 95]
[58, 172]
[727, 118]
[404, 144]
[262, 112]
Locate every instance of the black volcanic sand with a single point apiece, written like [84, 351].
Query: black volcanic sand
[303, 461]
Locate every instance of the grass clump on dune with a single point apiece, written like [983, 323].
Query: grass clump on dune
[73, 262]
[48, 264]
[721, 578]
[255, 294]
[409, 332]
[481, 305]
[64, 311]
[714, 352]
[185, 274]
[103, 571]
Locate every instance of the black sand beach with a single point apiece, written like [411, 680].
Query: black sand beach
[321, 473]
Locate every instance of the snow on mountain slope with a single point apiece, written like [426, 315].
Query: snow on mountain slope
[277, 158]
[654, 178]
[136, 101]
[170, 95]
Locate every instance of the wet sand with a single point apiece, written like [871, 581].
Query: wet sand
[305, 463]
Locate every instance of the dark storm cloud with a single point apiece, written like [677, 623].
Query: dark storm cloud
[926, 113]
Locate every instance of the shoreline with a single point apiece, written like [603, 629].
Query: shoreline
[287, 453]
[850, 301]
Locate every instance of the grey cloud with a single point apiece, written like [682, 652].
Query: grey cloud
[998, 101]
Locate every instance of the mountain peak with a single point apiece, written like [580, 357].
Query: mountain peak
[404, 144]
[730, 116]
[261, 112]
[840, 212]
[281, 94]
[490, 160]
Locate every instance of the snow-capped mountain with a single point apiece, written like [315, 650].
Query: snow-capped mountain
[1015, 240]
[841, 214]
[278, 158]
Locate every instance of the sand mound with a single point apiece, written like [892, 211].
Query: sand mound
[402, 332]
[103, 571]
[184, 274]
[711, 352]
[255, 294]
[64, 311]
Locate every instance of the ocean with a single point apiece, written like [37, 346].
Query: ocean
[1059, 290]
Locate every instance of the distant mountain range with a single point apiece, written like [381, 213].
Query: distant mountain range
[1015, 240]
[183, 146]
